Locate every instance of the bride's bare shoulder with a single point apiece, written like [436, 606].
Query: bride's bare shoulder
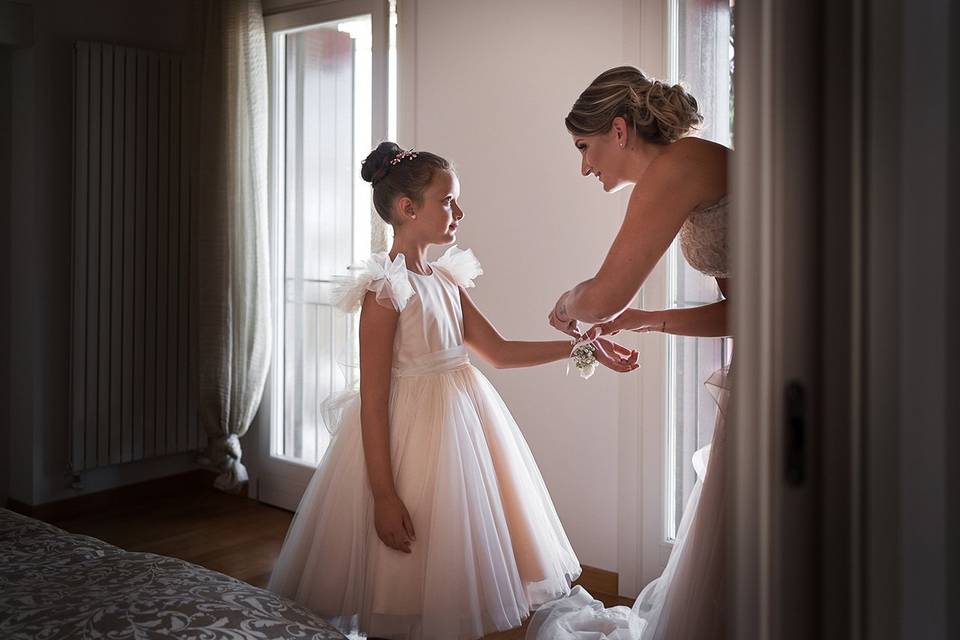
[702, 164]
[698, 149]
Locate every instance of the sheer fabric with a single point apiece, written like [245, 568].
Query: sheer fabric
[687, 600]
[231, 191]
[489, 545]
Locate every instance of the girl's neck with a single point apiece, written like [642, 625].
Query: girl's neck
[415, 254]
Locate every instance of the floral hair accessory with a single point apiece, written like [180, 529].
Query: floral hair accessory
[584, 358]
[382, 173]
[404, 155]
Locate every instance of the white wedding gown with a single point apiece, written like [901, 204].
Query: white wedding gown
[688, 600]
[489, 546]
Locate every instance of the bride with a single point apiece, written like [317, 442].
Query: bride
[631, 131]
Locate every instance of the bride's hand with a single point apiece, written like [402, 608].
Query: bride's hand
[630, 320]
[615, 356]
[561, 321]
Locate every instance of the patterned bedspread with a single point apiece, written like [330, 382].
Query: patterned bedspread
[54, 584]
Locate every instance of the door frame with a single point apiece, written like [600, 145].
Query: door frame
[773, 516]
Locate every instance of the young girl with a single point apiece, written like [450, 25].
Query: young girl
[428, 517]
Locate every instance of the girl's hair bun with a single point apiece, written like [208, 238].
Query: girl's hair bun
[377, 163]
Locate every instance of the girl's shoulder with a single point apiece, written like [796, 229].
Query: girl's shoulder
[387, 279]
[460, 266]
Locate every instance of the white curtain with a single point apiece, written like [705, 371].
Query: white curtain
[230, 195]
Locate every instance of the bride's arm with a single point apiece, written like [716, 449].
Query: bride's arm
[705, 321]
[481, 336]
[659, 204]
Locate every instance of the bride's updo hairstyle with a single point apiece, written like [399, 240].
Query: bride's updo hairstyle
[657, 112]
[394, 173]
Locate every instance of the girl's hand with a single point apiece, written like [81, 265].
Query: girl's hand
[561, 321]
[616, 357]
[630, 320]
[393, 523]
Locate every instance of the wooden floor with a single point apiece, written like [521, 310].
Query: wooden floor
[230, 534]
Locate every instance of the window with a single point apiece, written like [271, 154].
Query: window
[325, 102]
[701, 59]
[330, 99]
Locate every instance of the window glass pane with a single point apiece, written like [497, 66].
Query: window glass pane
[326, 110]
[702, 51]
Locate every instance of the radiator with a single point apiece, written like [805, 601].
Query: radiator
[133, 298]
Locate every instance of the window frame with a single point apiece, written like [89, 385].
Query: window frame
[275, 479]
[644, 426]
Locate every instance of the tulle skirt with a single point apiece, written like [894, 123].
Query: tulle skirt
[489, 545]
[687, 601]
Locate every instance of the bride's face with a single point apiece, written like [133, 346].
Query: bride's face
[602, 156]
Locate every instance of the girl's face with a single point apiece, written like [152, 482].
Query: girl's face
[439, 214]
[603, 156]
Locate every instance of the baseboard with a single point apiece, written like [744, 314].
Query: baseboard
[130, 494]
[599, 581]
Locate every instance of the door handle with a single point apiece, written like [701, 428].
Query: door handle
[795, 436]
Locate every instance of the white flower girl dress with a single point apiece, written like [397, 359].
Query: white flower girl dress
[489, 544]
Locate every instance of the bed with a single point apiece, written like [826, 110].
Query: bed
[54, 584]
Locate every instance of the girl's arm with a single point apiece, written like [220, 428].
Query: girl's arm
[483, 337]
[378, 326]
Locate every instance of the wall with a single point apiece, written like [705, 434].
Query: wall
[953, 338]
[5, 56]
[40, 244]
[910, 484]
[484, 101]
[494, 81]
[20, 279]
[923, 284]
[953, 321]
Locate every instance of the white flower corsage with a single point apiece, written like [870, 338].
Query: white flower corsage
[584, 358]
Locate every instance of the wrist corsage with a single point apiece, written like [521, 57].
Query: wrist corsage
[584, 358]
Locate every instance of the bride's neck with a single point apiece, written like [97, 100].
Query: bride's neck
[644, 155]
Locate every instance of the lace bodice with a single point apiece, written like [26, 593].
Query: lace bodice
[703, 240]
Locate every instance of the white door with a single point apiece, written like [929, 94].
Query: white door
[328, 69]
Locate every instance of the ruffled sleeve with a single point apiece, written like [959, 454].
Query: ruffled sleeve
[388, 280]
[460, 266]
